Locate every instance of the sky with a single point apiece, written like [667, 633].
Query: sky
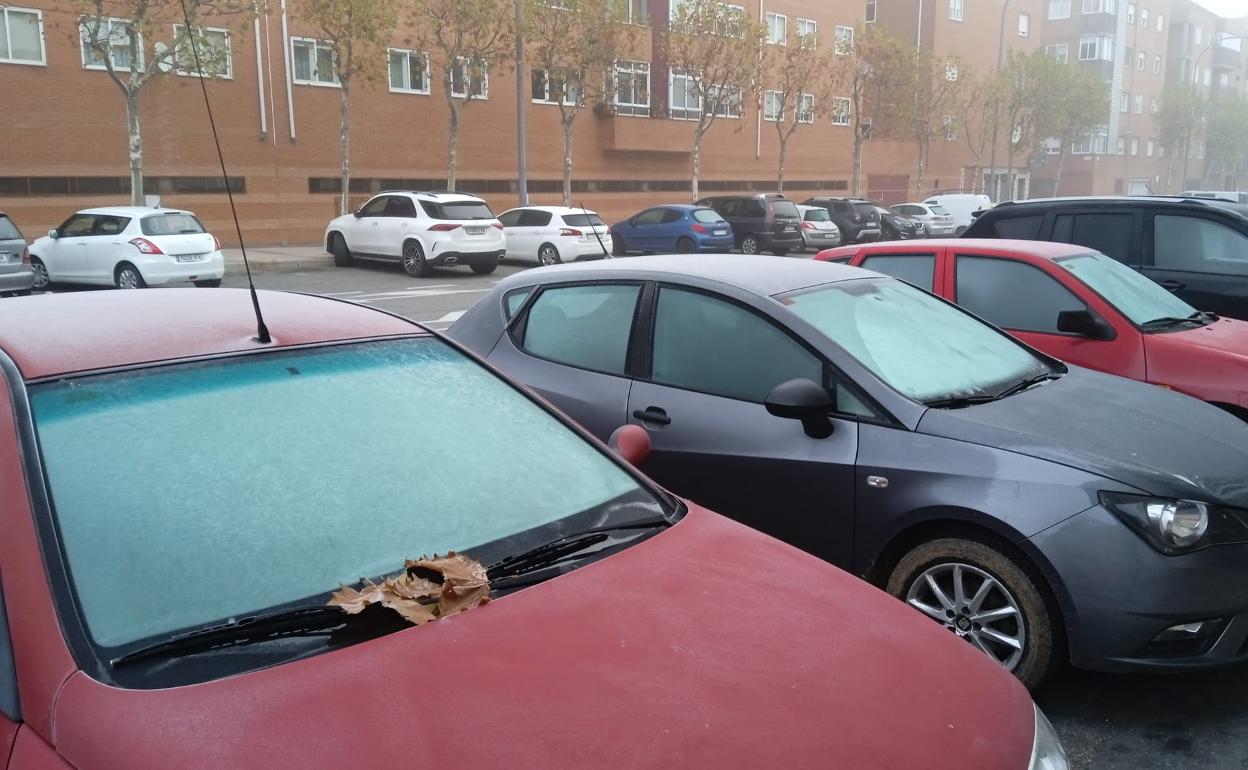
[1231, 8]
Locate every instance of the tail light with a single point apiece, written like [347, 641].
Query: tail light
[808, 225]
[145, 246]
[25, 255]
[697, 228]
[216, 243]
[570, 232]
[445, 227]
[498, 225]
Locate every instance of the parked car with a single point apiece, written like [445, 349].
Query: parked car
[895, 226]
[553, 234]
[1014, 499]
[857, 219]
[676, 228]
[762, 222]
[938, 223]
[128, 247]
[1082, 307]
[420, 231]
[818, 230]
[1226, 195]
[963, 207]
[166, 576]
[1195, 247]
[16, 276]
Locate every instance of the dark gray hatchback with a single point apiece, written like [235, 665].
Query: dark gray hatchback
[15, 274]
[1040, 511]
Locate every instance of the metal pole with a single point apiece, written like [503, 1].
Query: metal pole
[522, 162]
[996, 108]
[1187, 141]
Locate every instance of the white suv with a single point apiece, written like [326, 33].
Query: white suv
[420, 230]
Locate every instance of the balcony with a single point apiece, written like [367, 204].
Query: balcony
[1226, 57]
[625, 133]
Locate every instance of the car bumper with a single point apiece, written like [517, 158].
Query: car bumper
[1121, 594]
[821, 240]
[716, 245]
[468, 257]
[591, 250]
[940, 231]
[18, 280]
[159, 270]
[865, 236]
[787, 242]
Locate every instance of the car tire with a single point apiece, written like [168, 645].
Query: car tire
[748, 245]
[413, 260]
[484, 268]
[342, 255]
[686, 246]
[547, 254]
[127, 276]
[780, 252]
[888, 233]
[40, 270]
[618, 249]
[209, 283]
[1010, 592]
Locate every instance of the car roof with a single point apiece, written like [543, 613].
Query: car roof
[1038, 249]
[762, 275]
[130, 211]
[437, 195]
[57, 334]
[553, 209]
[1173, 200]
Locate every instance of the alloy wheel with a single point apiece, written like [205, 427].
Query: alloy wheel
[40, 271]
[128, 278]
[749, 245]
[548, 255]
[974, 605]
[413, 259]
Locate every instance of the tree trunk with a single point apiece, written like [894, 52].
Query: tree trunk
[784, 146]
[856, 180]
[136, 149]
[697, 163]
[452, 147]
[344, 145]
[921, 168]
[567, 158]
[1061, 161]
[1009, 175]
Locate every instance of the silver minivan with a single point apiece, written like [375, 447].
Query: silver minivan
[15, 274]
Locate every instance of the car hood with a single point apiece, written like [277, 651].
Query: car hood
[1225, 335]
[707, 645]
[1150, 438]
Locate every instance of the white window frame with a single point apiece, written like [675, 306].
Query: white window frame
[1141, 60]
[1059, 51]
[685, 112]
[1099, 6]
[1130, 13]
[634, 14]
[1144, 18]
[1024, 25]
[949, 125]
[229, 54]
[633, 68]
[466, 80]
[1103, 48]
[1059, 9]
[1161, 22]
[872, 11]
[1157, 64]
[576, 93]
[82, 44]
[407, 56]
[844, 40]
[315, 46]
[772, 20]
[957, 10]
[805, 111]
[1135, 146]
[728, 107]
[8, 39]
[1150, 148]
[773, 106]
[1125, 103]
[842, 111]
[808, 32]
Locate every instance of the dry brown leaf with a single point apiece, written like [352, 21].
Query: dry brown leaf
[428, 589]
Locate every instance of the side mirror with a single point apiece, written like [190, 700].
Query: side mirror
[356, 213]
[1085, 324]
[53, 234]
[803, 400]
[632, 222]
[632, 443]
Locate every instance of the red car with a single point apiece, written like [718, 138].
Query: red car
[181, 500]
[1079, 306]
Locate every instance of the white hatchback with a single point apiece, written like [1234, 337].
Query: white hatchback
[129, 247]
[553, 234]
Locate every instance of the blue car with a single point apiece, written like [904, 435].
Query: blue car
[676, 228]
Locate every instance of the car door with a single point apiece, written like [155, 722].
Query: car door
[915, 268]
[1025, 300]
[105, 248]
[1115, 232]
[510, 220]
[364, 234]
[711, 364]
[10, 705]
[532, 231]
[571, 346]
[646, 230]
[1202, 260]
[396, 222]
[670, 230]
[66, 256]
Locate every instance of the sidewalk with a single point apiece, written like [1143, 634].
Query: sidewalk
[279, 258]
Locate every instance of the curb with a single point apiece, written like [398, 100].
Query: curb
[283, 265]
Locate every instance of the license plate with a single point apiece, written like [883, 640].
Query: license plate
[190, 257]
[474, 230]
[7, 257]
[721, 232]
[790, 228]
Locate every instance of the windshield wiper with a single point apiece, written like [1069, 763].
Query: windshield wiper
[1028, 382]
[957, 402]
[1198, 317]
[567, 547]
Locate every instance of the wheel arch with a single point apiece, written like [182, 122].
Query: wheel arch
[329, 239]
[1233, 409]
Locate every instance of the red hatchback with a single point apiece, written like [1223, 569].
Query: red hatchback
[1079, 306]
[181, 500]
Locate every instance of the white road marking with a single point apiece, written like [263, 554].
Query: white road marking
[449, 318]
[339, 293]
[389, 295]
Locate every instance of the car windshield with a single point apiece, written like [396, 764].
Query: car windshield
[817, 215]
[170, 224]
[938, 210]
[707, 215]
[1134, 295]
[914, 342]
[192, 493]
[8, 230]
[460, 210]
[583, 220]
[865, 209]
[785, 209]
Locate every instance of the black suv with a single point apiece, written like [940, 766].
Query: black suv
[859, 219]
[1195, 247]
[763, 222]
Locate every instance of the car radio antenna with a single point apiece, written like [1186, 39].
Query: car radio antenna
[262, 331]
[594, 227]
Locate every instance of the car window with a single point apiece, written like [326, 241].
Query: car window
[752, 209]
[887, 326]
[534, 218]
[735, 353]
[865, 209]
[8, 230]
[672, 215]
[650, 217]
[1134, 295]
[915, 269]
[938, 210]
[909, 210]
[400, 206]
[840, 207]
[1107, 233]
[585, 326]
[111, 225]
[510, 218]
[514, 299]
[785, 209]
[1012, 295]
[1022, 228]
[376, 207]
[816, 215]
[78, 225]
[1198, 245]
[464, 210]
[707, 216]
[583, 220]
[170, 224]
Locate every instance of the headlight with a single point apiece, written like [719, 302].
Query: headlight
[1046, 750]
[1178, 526]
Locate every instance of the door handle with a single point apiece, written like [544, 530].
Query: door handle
[1173, 285]
[653, 414]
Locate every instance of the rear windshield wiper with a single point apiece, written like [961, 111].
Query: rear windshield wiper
[570, 546]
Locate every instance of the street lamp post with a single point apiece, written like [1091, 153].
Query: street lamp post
[1187, 139]
[522, 162]
[996, 107]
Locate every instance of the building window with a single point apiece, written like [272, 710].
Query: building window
[1024, 24]
[1141, 60]
[1059, 9]
[1154, 105]
[1150, 147]
[1224, 79]
[685, 101]
[409, 72]
[1200, 36]
[1093, 47]
[212, 45]
[1161, 22]
[1135, 145]
[21, 36]
[841, 106]
[777, 29]
[725, 102]
[1130, 13]
[1200, 151]
[1144, 18]
[1156, 65]
[470, 79]
[844, 40]
[806, 108]
[635, 11]
[1060, 52]
[113, 34]
[1139, 104]
[950, 128]
[632, 87]
[315, 62]
[547, 90]
[773, 106]
[956, 10]
[1100, 6]
[1125, 105]
[808, 33]
[871, 11]
[1208, 73]
[951, 71]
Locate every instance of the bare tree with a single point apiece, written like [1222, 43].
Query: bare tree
[1180, 118]
[804, 77]
[940, 94]
[715, 53]
[465, 38]
[977, 124]
[1068, 102]
[880, 79]
[359, 31]
[114, 36]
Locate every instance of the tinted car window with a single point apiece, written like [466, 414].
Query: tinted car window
[728, 335]
[650, 217]
[840, 207]
[909, 210]
[585, 326]
[399, 206]
[533, 218]
[374, 208]
[672, 215]
[915, 269]
[1012, 295]
[170, 224]
[514, 300]
[465, 210]
[110, 225]
[583, 220]
[511, 218]
[817, 215]
[707, 215]
[1109, 234]
[78, 224]
[1198, 245]
[865, 209]
[752, 209]
[785, 209]
[1022, 228]
[8, 230]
